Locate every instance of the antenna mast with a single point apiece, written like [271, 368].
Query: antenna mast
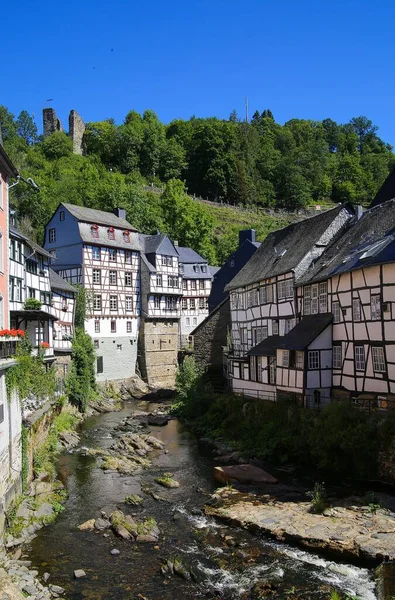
[246, 101]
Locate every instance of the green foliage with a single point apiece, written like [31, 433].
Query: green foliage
[44, 455]
[25, 457]
[56, 146]
[82, 303]
[80, 382]
[318, 498]
[32, 304]
[192, 390]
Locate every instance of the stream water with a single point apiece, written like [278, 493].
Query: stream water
[222, 570]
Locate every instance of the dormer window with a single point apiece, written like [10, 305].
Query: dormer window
[95, 231]
[195, 268]
[111, 233]
[204, 269]
[126, 237]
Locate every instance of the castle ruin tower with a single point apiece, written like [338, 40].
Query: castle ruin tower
[50, 122]
[76, 131]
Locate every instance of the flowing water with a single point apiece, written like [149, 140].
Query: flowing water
[221, 570]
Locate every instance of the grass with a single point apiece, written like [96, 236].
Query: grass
[167, 480]
[146, 526]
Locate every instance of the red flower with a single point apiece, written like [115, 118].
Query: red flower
[44, 345]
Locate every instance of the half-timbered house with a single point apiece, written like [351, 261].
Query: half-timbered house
[196, 277]
[264, 309]
[63, 306]
[161, 292]
[101, 251]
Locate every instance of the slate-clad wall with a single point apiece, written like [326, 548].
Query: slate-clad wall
[211, 336]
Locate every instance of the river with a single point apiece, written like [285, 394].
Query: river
[225, 568]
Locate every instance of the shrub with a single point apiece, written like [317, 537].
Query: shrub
[192, 391]
[318, 498]
[80, 382]
[32, 304]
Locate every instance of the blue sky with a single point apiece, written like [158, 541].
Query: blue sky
[300, 58]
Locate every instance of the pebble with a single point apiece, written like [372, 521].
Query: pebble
[78, 573]
[115, 551]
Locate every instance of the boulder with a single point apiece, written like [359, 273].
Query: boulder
[78, 573]
[242, 473]
[159, 420]
[87, 526]
[101, 524]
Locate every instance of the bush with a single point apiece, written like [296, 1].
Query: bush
[192, 397]
[318, 498]
[80, 382]
[32, 304]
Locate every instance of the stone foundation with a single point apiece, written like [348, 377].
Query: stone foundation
[158, 352]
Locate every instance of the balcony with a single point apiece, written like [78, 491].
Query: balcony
[8, 347]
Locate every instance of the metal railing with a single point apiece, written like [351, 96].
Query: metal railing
[8, 348]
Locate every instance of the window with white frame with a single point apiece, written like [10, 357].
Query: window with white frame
[128, 326]
[192, 305]
[113, 326]
[288, 325]
[337, 359]
[97, 326]
[272, 370]
[95, 231]
[314, 299]
[299, 359]
[201, 284]
[313, 359]
[336, 312]
[194, 321]
[378, 359]
[266, 294]
[323, 296]
[128, 257]
[243, 335]
[97, 302]
[113, 302]
[254, 297]
[307, 300]
[112, 255]
[253, 368]
[163, 261]
[289, 288]
[113, 278]
[96, 276]
[169, 261]
[193, 284]
[95, 253]
[172, 281]
[128, 279]
[126, 237]
[375, 307]
[280, 290]
[156, 301]
[171, 303]
[184, 304]
[202, 303]
[356, 310]
[159, 280]
[52, 235]
[188, 321]
[233, 300]
[360, 358]
[184, 284]
[129, 302]
[249, 299]
[275, 327]
[285, 358]
[240, 300]
[111, 233]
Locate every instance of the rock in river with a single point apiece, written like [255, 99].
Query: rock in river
[242, 473]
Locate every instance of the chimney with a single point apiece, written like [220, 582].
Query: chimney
[246, 234]
[175, 242]
[120, 212]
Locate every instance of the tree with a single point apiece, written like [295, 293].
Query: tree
[26, 128]
[56, 145]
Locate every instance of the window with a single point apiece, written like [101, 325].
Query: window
[99, 364]
[163, 260]
[172, 281]
[299, 359]
[266, 294]
[194, 321]
[255, 297]
[337, 357]
[280, 290]
[95, 253]
[232, 263]
[112, 254]
[275, 327]
[188, 321]
[289, 288]
[286, 358]
[307, 300]
[156, 301]
[52, 236]
[243, 335]
[97, 326]
[336, 312]
[240, 300]
[31, 266]
[18, 290]
[32, 293]
[314, 299]
[192, 304]
[111, 233]
[202, 304]
[323, 298]
[113, 326]
[113, 302]
[378, 359]
[233, 300]
[193, 284]
[128, 279]
[61, 215]
[171, 303]
[113, 278]
[201, 284]
[96, 276]
[53, 253]
[128, 257]
[126, 237]
[356, 310]
[375, 307]
[313, 359]
[288, 325]
[13, 249]
[95, 231]
[128, 326]
[97, 302]
[360, 358]
[159, 282]
[96, 344]
[184, 304]
[169, 261]
[272, 370]
[204, 269]
[129, 302]
[184, 284]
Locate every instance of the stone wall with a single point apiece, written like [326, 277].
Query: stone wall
[38, 425]
[76, 131]
[158, 351]
[50, 122]
[210, 337]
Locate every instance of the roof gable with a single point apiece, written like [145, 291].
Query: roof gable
[99, 217]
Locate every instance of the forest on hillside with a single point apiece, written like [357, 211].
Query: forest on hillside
[256, 164]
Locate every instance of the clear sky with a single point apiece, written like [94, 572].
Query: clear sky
[301, 58]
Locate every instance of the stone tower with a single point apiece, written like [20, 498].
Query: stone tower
[50, 122]
[76, 131]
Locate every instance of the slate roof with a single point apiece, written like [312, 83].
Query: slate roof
[386, 191]
[346, 252]
[99, 217]
[265, 348]
[304, 332]
[187, 255]
[213, 270]
[157, 244]
[59, 283]
[16, 233]
[102, 239]
[284, 249]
